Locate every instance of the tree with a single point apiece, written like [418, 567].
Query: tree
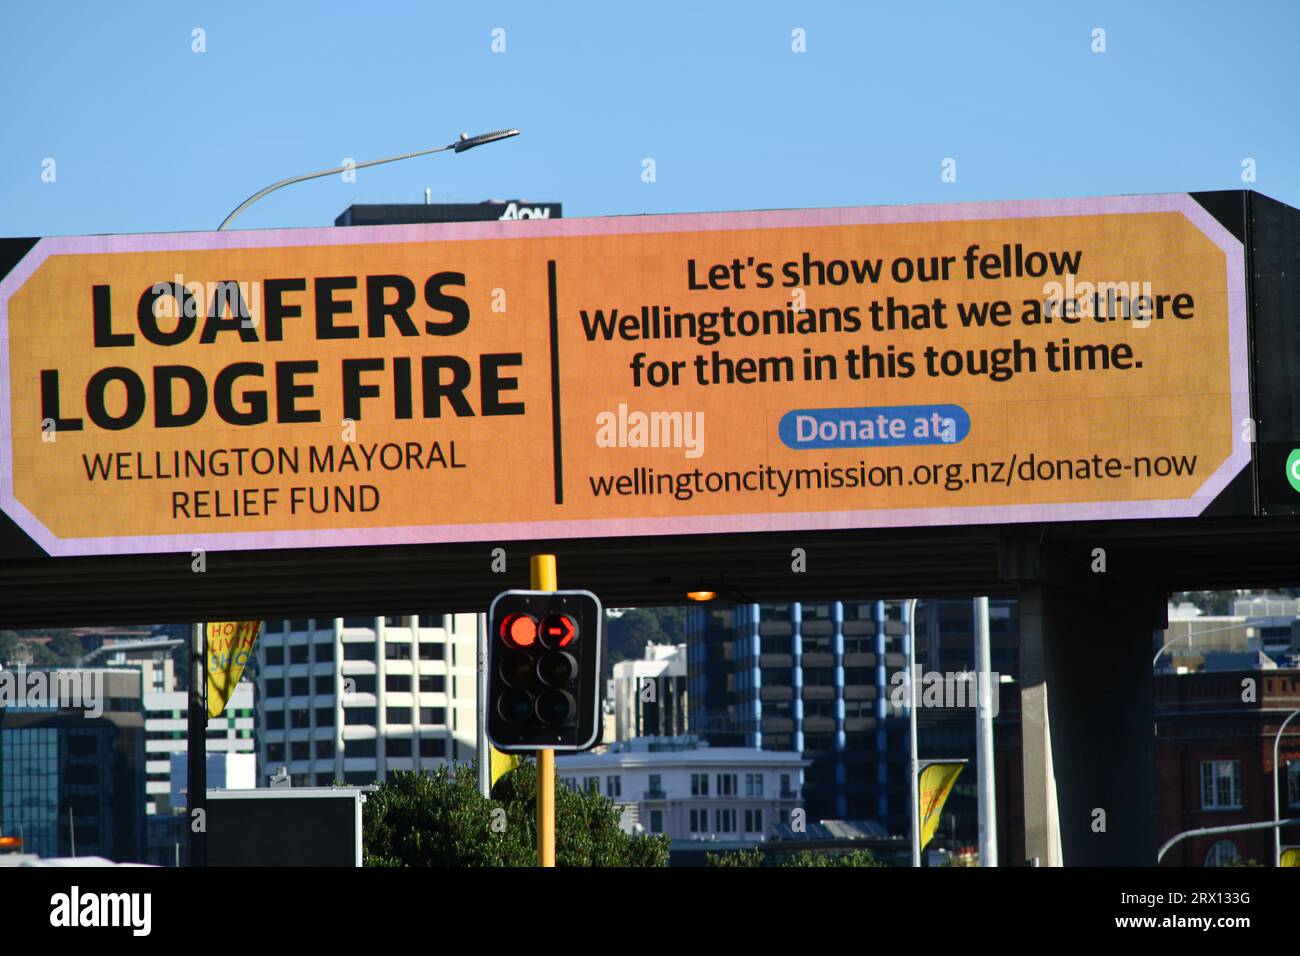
[441, 819]
[66, 648]
[629, 632]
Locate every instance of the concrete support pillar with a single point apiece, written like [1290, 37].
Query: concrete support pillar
[1087, 720]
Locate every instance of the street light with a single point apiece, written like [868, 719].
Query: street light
[1191, 634]
[465, 142]
[1277, 830]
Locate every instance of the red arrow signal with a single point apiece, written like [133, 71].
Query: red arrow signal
[559, 630]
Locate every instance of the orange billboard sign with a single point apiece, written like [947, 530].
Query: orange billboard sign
[838, 368]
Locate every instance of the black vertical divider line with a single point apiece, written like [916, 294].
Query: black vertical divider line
[556, 450]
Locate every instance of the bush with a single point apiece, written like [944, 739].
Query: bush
[802, 858]
[441, 819]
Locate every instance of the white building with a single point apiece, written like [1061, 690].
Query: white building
[166, 733]
[650, 694]
[352, 699]
[690, 791]
[166, 710]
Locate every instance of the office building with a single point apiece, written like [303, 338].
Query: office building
[818, 679]
[353, 699]
[72, 777]
[690, 791]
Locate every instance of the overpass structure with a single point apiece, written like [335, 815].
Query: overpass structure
[1084, 403]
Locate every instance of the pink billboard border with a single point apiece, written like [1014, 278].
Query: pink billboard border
[1234, 263]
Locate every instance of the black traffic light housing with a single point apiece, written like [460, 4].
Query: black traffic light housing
[545, 654]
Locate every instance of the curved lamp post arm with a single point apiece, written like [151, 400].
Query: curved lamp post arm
[1277, 809]
[462, 144]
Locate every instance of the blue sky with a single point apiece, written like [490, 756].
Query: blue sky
[150, 136]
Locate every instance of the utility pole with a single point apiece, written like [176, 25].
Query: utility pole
[984, 710]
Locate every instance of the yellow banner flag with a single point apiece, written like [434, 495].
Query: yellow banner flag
[1290, 857]
[230, 645]
[502, 764]
[936, 783]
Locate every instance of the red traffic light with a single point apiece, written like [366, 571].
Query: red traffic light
[519, 630]
[558, 631]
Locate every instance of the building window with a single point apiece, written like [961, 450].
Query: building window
[300, 719]
[359, 651]
[359, 748]
[656, 785]
[613, 787]
[432, 683]
[699, 821]
[275, 752]
[433, 748]
[275, 720]
[433, 620]
[299, 686]
[359, 622]
[591, 784]
[361, 683]
[1221, 785]
[274, 687]
[324, 779]
[324, 716]
[397, 683]
[1293, 783]
[656, 821]
[1222, 853]
[699, 785]
[753, 784]
[433, 715]
[394, 651]
[430, 652]
[785, 786]
[364, 716]
[397, 715]
[300, 750]
[753, 821]
[726, 785]
[324, 750]
[324, 683]
[274, 656]
[325, 652]
[298, 654]
[398, 746]
[726, 821]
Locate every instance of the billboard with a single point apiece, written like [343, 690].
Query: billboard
[983, 363]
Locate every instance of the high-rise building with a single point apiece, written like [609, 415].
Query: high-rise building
[72, 777]
[819, 679]
[352, 699]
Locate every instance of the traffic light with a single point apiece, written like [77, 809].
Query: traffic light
[545, 653]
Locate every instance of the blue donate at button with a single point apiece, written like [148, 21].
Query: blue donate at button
[874, 427]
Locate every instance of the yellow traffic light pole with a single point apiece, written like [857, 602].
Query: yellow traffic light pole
[542, 568]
